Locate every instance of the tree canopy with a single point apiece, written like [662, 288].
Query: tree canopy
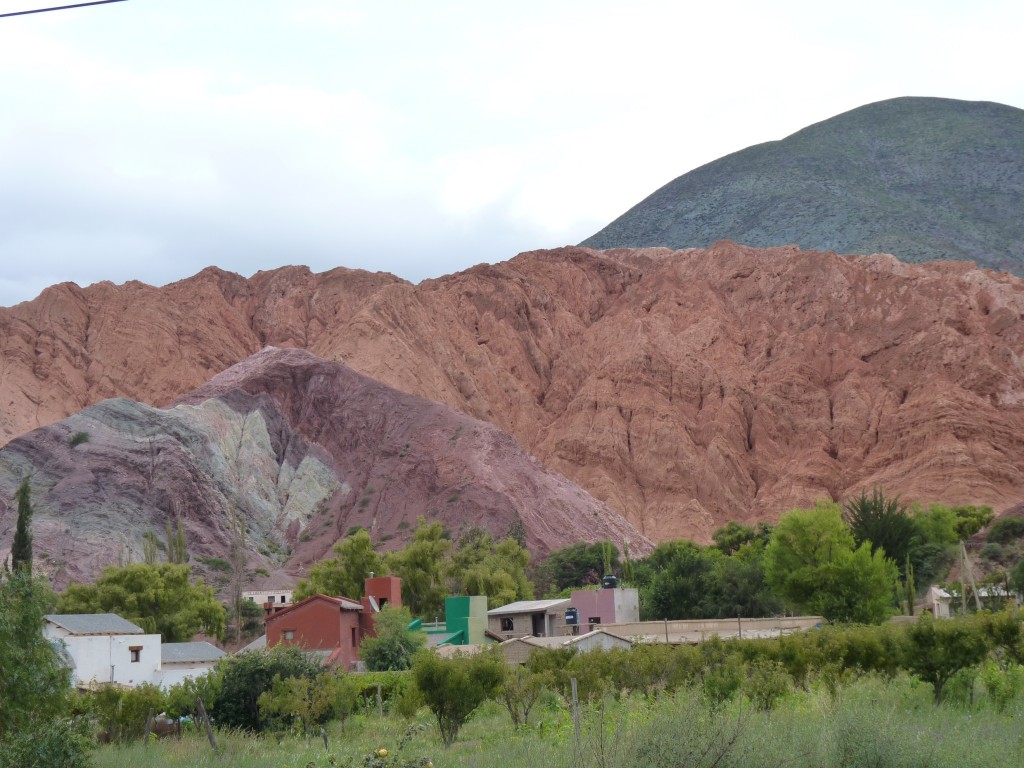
[346, 573]
[394, 644]
[159, 598]
[812, 564]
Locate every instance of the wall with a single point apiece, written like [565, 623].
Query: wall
[179, 671]
[318, 624]
[94, 655]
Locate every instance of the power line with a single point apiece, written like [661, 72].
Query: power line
[60, 8]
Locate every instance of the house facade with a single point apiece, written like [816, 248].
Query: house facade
[604, 606]
[336, 625]
[537, 618]
[182, 661]
[104, 648]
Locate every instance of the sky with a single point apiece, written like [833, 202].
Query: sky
[148, 139]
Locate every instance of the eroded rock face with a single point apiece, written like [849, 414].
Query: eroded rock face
[296, 450]
[682, 388]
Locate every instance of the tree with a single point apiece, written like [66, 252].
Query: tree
[971, 519]
[884, 523]
[306, 699]
[453, 688]
[482, 566]
[35, 727]
[21, 549]
[936, 650]
[520, 691]
[812, 564]
[158, 598]
[731, 537]
[244, 677]
[675, 578]
[577, 565]
[395, 644]
[422, 565]
[345, 574]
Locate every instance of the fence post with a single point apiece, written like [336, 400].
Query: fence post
[206, 723]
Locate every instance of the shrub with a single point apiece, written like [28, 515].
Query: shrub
[1007, 530]
[246, 676]
[766, 683]
[454, 688]
[122, 713]
[78, 438]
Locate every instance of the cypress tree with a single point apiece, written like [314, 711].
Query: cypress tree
[21, 550]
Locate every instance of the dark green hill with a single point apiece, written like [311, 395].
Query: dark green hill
[920, 178]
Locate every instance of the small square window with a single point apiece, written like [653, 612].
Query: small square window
[136, 653]
[506, 624]
[271, 599]
[289, 634]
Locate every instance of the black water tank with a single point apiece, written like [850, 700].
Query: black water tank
[572, 616]
[609, 582]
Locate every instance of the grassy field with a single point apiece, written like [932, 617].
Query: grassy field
[869, 722]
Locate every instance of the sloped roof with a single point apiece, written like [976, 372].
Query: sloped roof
[94, 624]
[530, 606]
[171, 653]
[343, 603]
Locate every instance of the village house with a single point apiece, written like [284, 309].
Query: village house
[105, 648]
[334, 625]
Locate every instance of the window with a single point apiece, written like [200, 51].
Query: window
[270, 599]
[136, 653]
[593, 621]
[355, 639]
[288, 634]
[506, 624]
[282, 600]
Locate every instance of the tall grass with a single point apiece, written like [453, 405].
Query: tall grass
[871, 722]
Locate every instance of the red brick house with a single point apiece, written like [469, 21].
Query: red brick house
[334, 624]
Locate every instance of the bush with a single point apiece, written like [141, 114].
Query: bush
[454, 688]
[54, 744]
[122, 713]
[766, 683]
[1007, 530]
[394, 644]
[245, 677]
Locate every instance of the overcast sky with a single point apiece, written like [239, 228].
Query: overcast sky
[148, 139]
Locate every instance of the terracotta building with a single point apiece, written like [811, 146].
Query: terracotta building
[334, 624]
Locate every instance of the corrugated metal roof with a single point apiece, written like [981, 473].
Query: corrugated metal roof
[530, 606]
[189, 652]
[94, 624]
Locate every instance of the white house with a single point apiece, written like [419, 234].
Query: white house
[105, 648]
[181, 661]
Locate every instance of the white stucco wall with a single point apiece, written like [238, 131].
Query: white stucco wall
[107, 658]
[178, 672]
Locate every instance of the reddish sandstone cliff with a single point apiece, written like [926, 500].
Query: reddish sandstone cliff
[683, 388]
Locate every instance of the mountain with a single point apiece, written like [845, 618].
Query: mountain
[919, 178]
[298, 451]
[681, 388]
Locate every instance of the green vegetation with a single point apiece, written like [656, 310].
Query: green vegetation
[850, 696]
[346, 573]
[78, 438]
[395, 645]
[159, 598]
[38, 726]
[21, 548]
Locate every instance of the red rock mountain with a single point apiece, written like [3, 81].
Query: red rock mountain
[294, 450]
[682, 388]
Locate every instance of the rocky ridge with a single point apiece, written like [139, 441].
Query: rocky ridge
[296, 451]
[682, 388]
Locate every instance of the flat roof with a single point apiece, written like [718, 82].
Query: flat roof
[530, 606]
[189, 652]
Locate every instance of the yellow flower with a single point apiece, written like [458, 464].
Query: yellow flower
[382, 752]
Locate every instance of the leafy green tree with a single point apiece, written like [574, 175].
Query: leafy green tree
[244, 677]
[122, 713]
[812, 564]
[675, 578]
[520, 691]
[971, 519]
[21, 549]
[345, 574]
[422, 565]
[937, 650]
[158, 598]
[884, 523]
[395, 644]
[453, 688]
[578, 565]
[303, 699]
[181, 697]
[737, 587]
[733, 536]
[482, 566]
[33, 679]
[37, 727]
[937, 524]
